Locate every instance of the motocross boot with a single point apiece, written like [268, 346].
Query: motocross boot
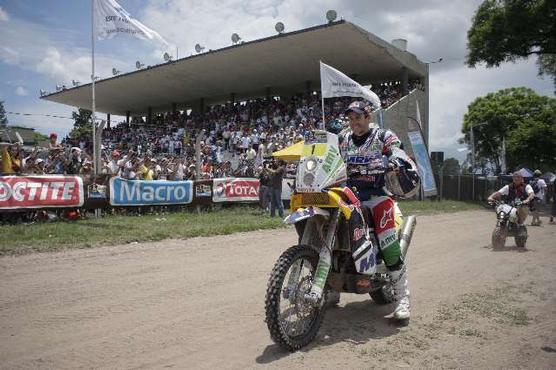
[400, 287]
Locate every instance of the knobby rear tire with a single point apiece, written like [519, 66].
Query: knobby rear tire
[274, 295]
[520, 241]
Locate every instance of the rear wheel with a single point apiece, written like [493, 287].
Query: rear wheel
[520, 241]
[499, 237]
[293, 322]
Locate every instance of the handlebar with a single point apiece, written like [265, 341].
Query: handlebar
[517, 203]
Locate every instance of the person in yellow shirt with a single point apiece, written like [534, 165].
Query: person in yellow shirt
[11, 161]
[144, 170]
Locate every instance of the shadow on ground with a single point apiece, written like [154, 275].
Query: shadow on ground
[356, 322]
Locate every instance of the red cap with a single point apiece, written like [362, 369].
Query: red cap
[53, 134]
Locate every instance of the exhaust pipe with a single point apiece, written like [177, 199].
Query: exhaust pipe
[406, 233]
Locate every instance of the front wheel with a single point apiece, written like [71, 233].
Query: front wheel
[384, 295]
[293, 322]
[499, 237]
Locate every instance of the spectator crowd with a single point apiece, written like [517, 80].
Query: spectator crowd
[233, 140]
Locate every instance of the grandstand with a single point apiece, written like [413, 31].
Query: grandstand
[283, 65]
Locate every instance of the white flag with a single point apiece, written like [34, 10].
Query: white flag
[112, 20]
[336, 84]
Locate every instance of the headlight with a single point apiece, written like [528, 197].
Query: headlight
[308, 179]
[311, 164]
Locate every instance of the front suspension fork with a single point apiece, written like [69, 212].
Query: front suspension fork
[325, 257]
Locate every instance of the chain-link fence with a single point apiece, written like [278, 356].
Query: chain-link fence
[467, 187]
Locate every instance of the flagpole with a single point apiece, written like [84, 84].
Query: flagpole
[323, 120]
[93, 116]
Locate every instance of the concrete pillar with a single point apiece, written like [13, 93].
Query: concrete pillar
[425, 109]
[405, 81]
[108, 121]
[127, 114]
[202, 106]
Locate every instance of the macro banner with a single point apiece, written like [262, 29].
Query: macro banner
[149, 193]
[235, 190]
[40, 191]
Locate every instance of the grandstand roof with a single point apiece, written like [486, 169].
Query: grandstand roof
[283, 62]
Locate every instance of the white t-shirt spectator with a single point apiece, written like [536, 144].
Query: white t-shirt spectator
[542, 185]
[251, 154]
[505, 190]
[113, 167]
[245, 141]
[180, 171]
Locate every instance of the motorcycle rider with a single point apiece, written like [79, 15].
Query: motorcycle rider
[516, 190]
[363, 148]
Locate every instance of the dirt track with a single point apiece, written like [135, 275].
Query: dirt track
[198, 303]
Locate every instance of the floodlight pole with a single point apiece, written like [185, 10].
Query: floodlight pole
[323, 119]
[93, 115]
[95, 169]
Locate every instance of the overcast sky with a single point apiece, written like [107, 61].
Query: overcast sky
[44, 42]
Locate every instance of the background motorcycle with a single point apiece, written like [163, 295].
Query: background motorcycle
[506, 224]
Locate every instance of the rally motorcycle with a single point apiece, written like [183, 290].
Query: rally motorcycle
[308, 275]
[506, 224]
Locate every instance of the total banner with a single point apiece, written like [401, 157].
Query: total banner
[235, 189]
[40, 191]
[149, 193]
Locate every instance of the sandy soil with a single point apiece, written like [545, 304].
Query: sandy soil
[198, 303]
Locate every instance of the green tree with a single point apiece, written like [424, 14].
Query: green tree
[506, 30]
[526, 120]
[39, 137]
[450, 166]
[82, 125]
[3, 118]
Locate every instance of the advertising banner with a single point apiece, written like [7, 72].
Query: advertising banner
[287, 188]
[40, 191]
[149, 193]
[235, 189]
[423, 162]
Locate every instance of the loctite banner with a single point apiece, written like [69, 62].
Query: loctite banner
[40, 191]
[235, 189]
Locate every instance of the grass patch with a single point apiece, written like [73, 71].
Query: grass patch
[111, 230]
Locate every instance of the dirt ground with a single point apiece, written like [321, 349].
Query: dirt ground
[199, 303]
